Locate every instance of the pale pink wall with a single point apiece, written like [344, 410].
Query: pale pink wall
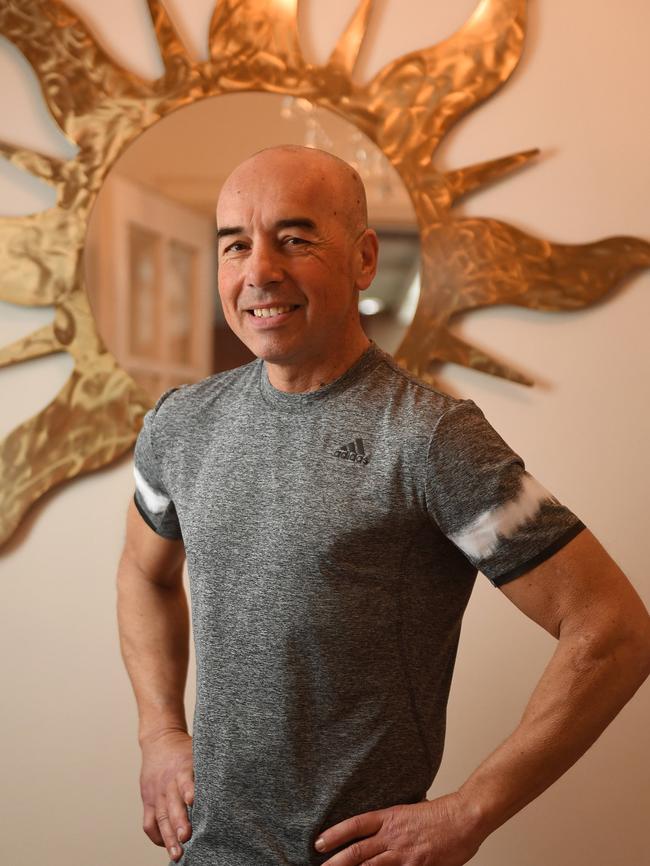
[68, 730]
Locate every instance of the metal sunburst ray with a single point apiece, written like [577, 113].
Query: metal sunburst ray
[255, 45]
[419, 96]
[61, 49]
[343, 58]
[463, 181]
[479, 262]
[35, 345]
[45, 168]
[176, 61]
[101, 406]
[37, 265]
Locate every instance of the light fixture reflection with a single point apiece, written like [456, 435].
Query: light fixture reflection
[370, 306]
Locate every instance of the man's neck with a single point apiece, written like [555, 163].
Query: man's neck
[303, 378]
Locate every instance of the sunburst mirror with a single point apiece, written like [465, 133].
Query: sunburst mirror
[406, 110]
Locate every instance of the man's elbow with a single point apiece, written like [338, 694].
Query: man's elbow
[610, 632]
[636, 632]
[622, 643]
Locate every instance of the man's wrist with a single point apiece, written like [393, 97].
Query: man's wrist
[473, 814]
[152, 729]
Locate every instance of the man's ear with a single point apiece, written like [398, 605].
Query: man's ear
[369, 253]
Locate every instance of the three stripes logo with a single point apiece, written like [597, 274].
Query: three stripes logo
[354, 451]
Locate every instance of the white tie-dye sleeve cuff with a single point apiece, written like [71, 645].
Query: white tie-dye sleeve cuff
[486, 503]
[151, 497]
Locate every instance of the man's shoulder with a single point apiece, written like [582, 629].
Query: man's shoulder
[408, 396]
[190, 400]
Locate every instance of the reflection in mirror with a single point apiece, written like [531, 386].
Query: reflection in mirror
[150, 263]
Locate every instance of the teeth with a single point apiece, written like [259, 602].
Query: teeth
[265, 312]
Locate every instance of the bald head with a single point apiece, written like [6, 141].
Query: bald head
[337, 185]
[294, 252]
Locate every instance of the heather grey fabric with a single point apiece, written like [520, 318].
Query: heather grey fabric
[332, 541]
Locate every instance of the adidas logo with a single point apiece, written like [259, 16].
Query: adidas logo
[354, 451]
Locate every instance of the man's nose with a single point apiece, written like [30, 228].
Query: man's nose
[264, 266]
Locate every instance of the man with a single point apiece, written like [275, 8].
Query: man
[334, 512]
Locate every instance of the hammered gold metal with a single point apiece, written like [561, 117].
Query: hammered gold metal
[406, 110]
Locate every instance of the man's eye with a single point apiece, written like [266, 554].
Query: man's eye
[235, 247]
[294, 241]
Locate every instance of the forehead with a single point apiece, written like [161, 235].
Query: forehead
[268, 192]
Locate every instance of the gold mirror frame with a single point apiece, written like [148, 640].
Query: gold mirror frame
[406, 109]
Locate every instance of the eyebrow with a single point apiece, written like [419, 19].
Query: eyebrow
[291, 222]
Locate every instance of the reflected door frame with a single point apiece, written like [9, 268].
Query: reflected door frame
[154, 285]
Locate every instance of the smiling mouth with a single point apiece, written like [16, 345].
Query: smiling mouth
[267, 312]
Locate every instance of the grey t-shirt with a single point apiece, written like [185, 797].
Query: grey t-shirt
[332, 542]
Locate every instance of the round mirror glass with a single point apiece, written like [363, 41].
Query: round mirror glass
[150, 256]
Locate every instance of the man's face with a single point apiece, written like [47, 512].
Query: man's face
[290, 260]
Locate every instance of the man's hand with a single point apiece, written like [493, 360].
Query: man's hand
[167, 786]
[434, 833]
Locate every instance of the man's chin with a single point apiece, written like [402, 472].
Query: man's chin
[273, 351]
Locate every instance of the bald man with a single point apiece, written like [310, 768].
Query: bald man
[334, 512]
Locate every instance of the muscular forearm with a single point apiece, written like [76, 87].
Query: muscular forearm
[583, 687]
[153, 622]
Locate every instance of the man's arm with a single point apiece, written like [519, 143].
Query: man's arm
[153, 622]
[581, 597]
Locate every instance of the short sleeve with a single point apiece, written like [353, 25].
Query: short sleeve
[482, 498]
[151, 496]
